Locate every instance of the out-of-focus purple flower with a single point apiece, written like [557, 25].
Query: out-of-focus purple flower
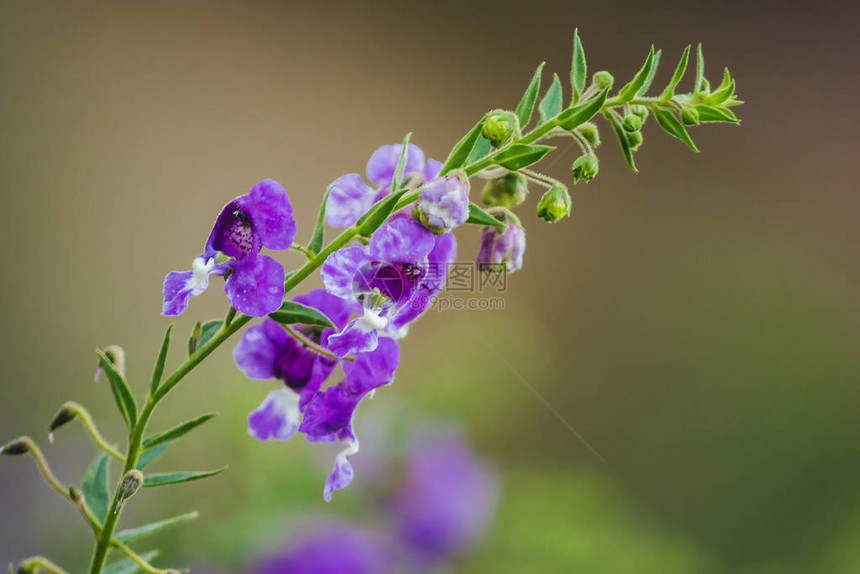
[447, 499]
[351, 197]
[261, 218]
[443, 203]
[502, 251]
[332, 548]
[328, 415]
[267, 351]
[383, 277]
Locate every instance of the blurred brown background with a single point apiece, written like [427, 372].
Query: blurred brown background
[696, 322]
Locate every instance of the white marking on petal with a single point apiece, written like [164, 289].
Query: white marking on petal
[199, 280]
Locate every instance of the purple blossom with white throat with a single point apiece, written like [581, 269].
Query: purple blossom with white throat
[502, 251]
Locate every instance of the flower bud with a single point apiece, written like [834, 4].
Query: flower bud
[116, 354]
[130, 484]
[508, 190]
[589, 131]
[443, 203]
[585, 167]
[502, 252]
[17, 446]
[497, 128]
[641, 111]
[690, 116]
[554, 204]
[62, 417]
[634, 139]
[603, 79]
[632, 123]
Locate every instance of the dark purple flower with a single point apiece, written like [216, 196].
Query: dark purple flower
[331, 548]
[383, 276]
[502, 252]
[447, 499]
[443, 203]
[255, 286]
[351, 197]
[328, 416]
[267, 351]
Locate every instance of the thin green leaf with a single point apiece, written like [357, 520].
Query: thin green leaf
[700, 70]
[158, 372]
[95, 486]
[460, 153]
[574, 117]
[720, 95]
[401, 164]
[315, 244]
[716, 114]
[578, 68]
[131, 533]
[527, 104]
[176, 432]
[622, 139]
[678, 75]
[480, 151]
[207, 331]
[641, 91]
[148, 456]
[292, 312]
[121, 393]
[550, 105]
[127, 565]
[727, 79]
[478, 216]
[376, 215]
[673, 126]
[518, 156]
[628, 92]
[153, 480]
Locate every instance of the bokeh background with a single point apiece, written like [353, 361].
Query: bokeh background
[697, 322]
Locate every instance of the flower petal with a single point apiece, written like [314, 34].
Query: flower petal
[432, 169]
[343, 473]
[272, 214]
[277, 417]
[350, 198]
[338, 272]
[256, 286]
[258, 351]
[333, 307]
[359, 336]
[383, 163]
[329, 412]
[401, 241]
[440, 259]
[373, 369]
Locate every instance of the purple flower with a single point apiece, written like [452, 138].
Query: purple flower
[351, 197]
[447, 499]
[502, 251]
[328, 416]
[255, 286]
[443, 203]
[331, 548]
[267, 351]
[383, 276]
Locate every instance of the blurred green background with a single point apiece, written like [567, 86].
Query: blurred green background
[697, 322]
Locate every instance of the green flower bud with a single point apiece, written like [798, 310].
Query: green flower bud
[640, 111]
[62, 417]
[508, 190]
[603, 79]
[690, 116]
[632, 123]
[554, 204]
[634, 139]
[130, 484]
[17, 446]
[585, 167]
[497, 128]
[588, 130]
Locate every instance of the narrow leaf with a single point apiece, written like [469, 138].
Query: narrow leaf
[376, 215]
[127, 565]
[315, 244]
[673, 126]
[95, 486]
[578, 68]
[148, 456]
[176, 432]
[292, 312]
[158, 372]
[207, 331]
[480, 151]
[574, 117]
[478, 216]
[401, 164]
[132, 533]
[460, 153]
[651, 74]
[628, 92]
[700, 70]
[153, 480]
[121, 392]
[622, 139]
[721, 95]
[550, 105]
[678, 75]
[518, 156]
[716, 114]
[527, 104]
